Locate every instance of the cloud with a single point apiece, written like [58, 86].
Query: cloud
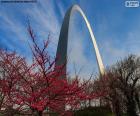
[43, 18]
[61, 8]
[114, 49]
[77, 49]
[46, 18]
[10, 24]
[13, 33]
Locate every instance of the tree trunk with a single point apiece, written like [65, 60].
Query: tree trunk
[137, 100]
[36, 112]
[131, 107]
[116, 108]
[89, 103]
[40, 113]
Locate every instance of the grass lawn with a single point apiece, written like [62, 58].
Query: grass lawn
[94, 111]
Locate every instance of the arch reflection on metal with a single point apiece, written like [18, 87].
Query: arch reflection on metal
[63, 40]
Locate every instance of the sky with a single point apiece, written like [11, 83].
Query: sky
[116, 29]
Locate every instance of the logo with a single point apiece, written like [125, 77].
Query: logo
[18, 1]
[132, 3]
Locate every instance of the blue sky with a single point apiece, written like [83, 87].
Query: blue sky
[116, 29]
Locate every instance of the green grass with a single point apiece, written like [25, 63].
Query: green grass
[94, 111]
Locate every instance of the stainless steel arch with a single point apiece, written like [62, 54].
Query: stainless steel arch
[63, 40]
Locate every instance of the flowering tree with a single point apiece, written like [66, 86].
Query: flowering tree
[38, 86]
[11, 66]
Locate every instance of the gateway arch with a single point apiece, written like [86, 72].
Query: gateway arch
[62, 47]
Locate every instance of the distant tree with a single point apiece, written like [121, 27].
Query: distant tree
[128, 74]
[121, 83]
